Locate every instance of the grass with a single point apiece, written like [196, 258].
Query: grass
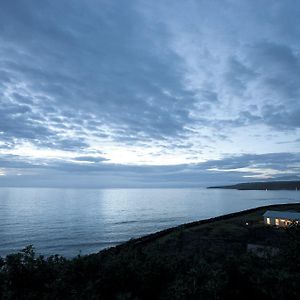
[229, 227]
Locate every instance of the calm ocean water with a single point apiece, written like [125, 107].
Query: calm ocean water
[73, 221]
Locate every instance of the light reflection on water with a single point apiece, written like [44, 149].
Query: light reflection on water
[70, 221]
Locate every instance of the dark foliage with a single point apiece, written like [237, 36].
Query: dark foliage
[151, 272]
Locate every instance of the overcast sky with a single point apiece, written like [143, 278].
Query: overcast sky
[148, 93]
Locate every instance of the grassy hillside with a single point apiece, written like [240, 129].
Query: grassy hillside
[267, 185]
[200, 260]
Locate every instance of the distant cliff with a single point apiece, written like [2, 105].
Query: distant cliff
[266, 185]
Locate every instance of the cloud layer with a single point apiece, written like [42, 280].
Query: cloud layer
[139, 93]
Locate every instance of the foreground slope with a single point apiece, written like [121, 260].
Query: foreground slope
[201, 260]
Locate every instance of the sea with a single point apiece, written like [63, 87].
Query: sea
[73, 222]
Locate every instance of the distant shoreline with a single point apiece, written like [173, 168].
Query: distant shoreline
[267, 185]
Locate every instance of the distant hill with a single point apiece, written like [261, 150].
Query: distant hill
[266, 185]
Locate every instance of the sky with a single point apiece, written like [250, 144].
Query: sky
[113, 93]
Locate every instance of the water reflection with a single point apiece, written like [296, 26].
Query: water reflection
[67, 221]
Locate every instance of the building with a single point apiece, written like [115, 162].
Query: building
[280, 218]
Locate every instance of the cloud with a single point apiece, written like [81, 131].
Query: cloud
[110, 85]
[276, 161]
[100, 66]
[92, 159]
[96, 172]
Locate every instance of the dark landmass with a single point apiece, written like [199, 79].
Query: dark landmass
[266, 185]
[209, 259]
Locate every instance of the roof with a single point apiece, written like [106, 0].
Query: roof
[282, 214]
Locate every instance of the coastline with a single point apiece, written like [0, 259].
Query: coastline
[162, 233]
[262, 185]
[203, 259]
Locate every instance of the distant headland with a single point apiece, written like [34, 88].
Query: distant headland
[262, 185]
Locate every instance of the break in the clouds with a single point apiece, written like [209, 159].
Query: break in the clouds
[139, 93]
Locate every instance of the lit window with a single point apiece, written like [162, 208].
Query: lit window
[268, 221]
[277, 222]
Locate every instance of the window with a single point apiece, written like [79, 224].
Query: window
[277, 222]
[284, 222]
[268, 221]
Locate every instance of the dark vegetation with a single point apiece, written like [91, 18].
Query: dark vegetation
[201, 260]
[266, 185]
